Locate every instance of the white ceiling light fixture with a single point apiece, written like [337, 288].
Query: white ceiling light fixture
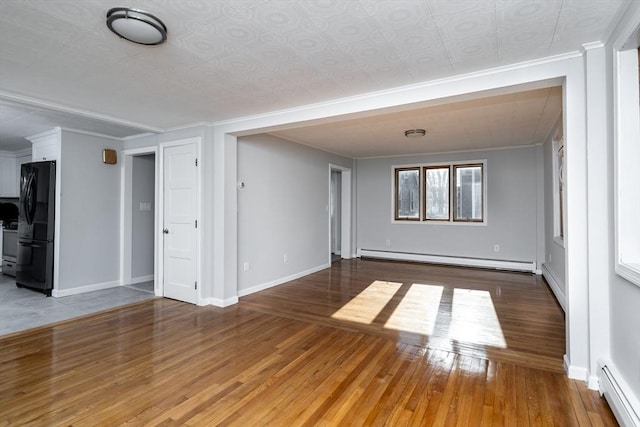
[136, 26]
[415, 133]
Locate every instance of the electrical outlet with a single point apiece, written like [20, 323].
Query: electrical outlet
[388, 242]
[285, 258]
[246, 266]
[496, 248]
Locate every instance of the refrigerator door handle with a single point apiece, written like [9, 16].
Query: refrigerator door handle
[28, 202]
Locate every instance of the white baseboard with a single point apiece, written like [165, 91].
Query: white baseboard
[623, 402]
[141, 279]
[217, 302]
[555, 286]
[83, 289]
[575, 372]
[276, 282]
[593, 383]
[450, 260]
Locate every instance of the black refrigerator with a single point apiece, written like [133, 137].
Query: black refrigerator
[36, 226]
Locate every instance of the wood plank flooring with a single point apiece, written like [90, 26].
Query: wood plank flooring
[344, 346]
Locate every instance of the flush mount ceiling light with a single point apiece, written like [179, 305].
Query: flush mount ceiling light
[136, 26]
[414, 133]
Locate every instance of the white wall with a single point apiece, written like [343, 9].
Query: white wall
[554, 256]
[624, 296]
[511, 203]
[283, 209]
[142, 221]
[89, 213]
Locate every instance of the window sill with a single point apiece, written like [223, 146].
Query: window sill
[631, 272]
[445, 223]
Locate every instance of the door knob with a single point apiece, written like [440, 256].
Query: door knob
[165, 231]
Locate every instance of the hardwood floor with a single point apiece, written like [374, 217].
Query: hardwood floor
[357, 344]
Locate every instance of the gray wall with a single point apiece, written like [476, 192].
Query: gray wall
[283, 208]
[89, 212]
[511, 217]
[142, 222]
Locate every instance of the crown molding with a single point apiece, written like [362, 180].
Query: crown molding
[21, 99]
[240, 125]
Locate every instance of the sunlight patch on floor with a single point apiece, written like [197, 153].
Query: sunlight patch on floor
[365, 307]
[418, 310]
[474, 319]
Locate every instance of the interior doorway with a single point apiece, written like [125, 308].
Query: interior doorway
[335, 211]
[140, 216]
[339, 209]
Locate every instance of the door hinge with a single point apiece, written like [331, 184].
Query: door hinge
[196, 161]
[196, 286]
[196, 223]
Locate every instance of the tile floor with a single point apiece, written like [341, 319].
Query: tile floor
[22, 309]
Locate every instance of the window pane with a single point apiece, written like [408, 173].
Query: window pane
[407, 193]
[437, 193]
[468, 193]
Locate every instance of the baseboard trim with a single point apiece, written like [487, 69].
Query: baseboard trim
[555, 287]
[624, 405]
[528, 266]
[575, 372]
[217, 302]
[593, 383]
[141, 279]
[276, 282]
[83, 289]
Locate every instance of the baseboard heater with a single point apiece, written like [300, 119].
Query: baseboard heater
[528, 266]
[624, 406]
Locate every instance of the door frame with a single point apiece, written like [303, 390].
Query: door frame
[346, 247]
[159, 236]
[126, 183]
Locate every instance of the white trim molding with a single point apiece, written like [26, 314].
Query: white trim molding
[86, 288]
[141, 279]
[619, 396]
[529, 266]
[280, 281]
[555, 287]
[575, 372]
[217, 302]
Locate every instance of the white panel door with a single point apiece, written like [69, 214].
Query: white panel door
[180, 227]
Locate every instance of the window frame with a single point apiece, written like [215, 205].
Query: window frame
[559, 197]
[626, 158]
[455, 185]
[396, 176]
[422, 196]
[425, 169]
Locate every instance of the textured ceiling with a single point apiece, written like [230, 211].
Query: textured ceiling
[512, 120]
[231, 58]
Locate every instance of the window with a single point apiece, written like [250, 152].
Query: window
[407, 194]
[558, 190]
[468, 190]
[453, 192]
[436, 179]
[627, 158]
